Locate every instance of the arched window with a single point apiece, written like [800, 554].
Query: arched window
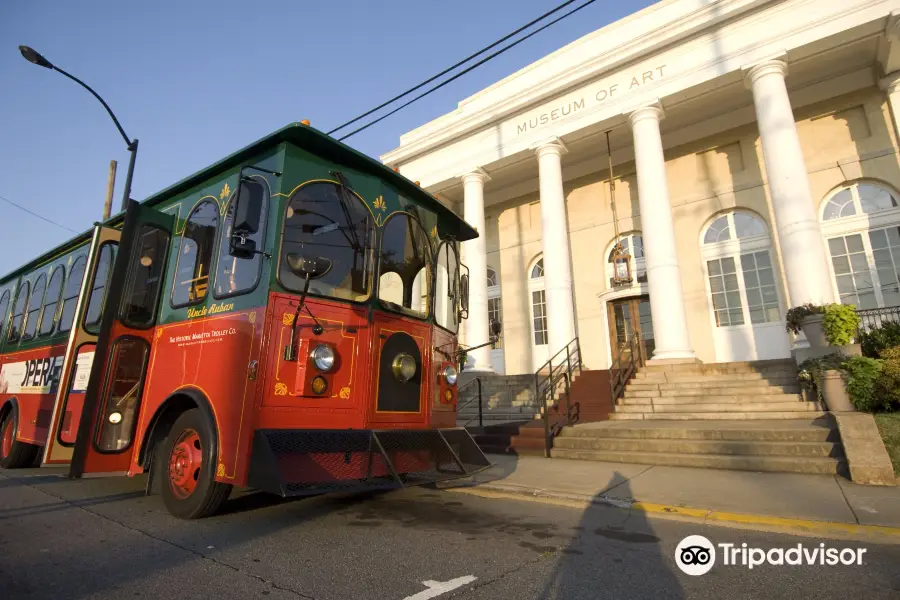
[495, 306]
[538, 303]
[861, 225]
[17, 321]
[51, 303]
[633, 245]
[197, 242]
[234, 275]
[446, 306]
[492, 280]
[70, 294]
[406, 254]
[739, 269]
[322, 220]
[34, 308]
[4, 307]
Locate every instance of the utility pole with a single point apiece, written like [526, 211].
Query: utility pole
[110, 186]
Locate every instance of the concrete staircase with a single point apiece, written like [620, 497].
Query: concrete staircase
[730, 391]
[782, 445]
[744, 415]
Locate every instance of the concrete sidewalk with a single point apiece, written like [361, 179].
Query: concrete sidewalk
[690, 491]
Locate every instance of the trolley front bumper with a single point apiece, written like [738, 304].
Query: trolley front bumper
[297, 462]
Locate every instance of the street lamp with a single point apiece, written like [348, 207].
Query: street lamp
[32, 56]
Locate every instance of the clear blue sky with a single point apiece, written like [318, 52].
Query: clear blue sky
[196, 80]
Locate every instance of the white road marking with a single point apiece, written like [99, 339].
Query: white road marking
[436, 588]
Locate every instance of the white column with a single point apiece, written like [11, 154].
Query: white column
[475, 257]
[555, 242]
[891, 87]
[670, 328]
[802, 247]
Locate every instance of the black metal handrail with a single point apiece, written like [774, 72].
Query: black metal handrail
[476, 380]
[546, 388]
[624, 366]
[872, 318]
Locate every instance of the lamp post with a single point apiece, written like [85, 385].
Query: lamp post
[35, 57]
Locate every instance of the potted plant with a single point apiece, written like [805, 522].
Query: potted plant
[808, 317]
[827, 325]
[844, 383]
[824, 376]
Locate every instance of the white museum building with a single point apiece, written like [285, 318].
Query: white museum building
[754, 152]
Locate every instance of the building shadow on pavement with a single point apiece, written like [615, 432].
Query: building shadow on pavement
[614, 554]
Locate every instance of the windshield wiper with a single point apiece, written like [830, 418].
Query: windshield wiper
[346, 208]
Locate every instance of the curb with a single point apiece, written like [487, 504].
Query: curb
[706, 516]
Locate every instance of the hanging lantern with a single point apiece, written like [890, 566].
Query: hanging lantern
[621, 265]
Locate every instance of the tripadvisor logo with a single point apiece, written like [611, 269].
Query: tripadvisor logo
[696, 555]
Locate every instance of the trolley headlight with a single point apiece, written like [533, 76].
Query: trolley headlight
[323, 357]
[450, 374]
[404, 367]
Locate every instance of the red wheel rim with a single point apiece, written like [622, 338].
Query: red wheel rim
[185, 463]
[7, 438]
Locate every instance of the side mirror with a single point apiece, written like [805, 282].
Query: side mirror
[247, 217]
[311, 267]
[496, 327]
[464, 293]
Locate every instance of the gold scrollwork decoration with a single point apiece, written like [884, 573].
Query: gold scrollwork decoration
[225, 191]
[281, 389]
[287, 319]
[380, 204]
[345, 393]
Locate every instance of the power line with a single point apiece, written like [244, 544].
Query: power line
[448, 69]
[34, 214]
[463, 72]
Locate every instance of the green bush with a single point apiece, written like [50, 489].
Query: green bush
[873, 341]
[860, 374]
[887, 386]
[840, 324]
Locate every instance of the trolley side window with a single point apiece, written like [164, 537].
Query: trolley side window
[144, 280]
[446, 293]
[34, 308]
[235, 275]
[51, 302]
[325, 221]
[18, 317]
[195, 254]
[70, 294]
[98, 288]
[4, 308]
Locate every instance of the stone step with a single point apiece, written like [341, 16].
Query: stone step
[718, 388]
[712, 416]
[737, 395]
[722, 406]
[740, 448]
[784, 464]
[783, 364]
[741, 399]
[737, 431]
[737, 379]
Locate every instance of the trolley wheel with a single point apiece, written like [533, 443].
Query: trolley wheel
[13, 453]
[187, 466]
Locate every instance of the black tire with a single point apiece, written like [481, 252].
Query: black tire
[175, 468]
[19, 454]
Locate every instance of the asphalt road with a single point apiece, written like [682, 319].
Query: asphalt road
[63, 539]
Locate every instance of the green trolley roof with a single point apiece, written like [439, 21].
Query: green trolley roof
[305, 137]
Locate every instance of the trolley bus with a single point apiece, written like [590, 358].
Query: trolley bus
[285, 319]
